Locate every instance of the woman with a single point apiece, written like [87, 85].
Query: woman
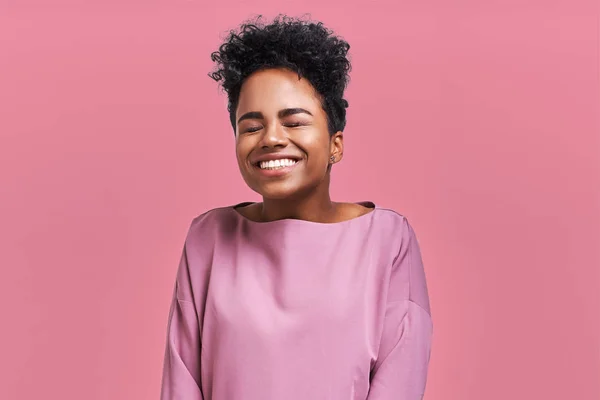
[295, 297]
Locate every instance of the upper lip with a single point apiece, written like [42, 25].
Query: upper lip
[274, 156]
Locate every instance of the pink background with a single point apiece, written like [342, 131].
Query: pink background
[479, 120]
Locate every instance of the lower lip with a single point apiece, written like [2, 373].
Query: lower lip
[277, 172]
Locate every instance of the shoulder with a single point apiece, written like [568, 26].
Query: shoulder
[211, 222]
[395, 228]
[391, 216]
[394, 222]
[407, 272]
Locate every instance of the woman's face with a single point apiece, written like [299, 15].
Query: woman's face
[283, 146]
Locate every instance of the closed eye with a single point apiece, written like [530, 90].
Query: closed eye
[288, 125]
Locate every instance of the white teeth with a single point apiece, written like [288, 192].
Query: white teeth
[275, 164]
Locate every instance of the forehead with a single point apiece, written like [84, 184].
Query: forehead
[274, 89]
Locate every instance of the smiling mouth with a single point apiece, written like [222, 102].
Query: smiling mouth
[276, 164]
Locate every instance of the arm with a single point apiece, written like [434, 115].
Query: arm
[400, 372]
[181, 369]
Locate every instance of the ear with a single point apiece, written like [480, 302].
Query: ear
[336, 146]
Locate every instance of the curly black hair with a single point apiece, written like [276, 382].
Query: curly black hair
[302, 46]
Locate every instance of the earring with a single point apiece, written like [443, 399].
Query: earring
[332, 158]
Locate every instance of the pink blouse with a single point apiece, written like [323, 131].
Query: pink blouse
[298, 310]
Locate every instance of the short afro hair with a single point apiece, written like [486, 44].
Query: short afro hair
[302, 46]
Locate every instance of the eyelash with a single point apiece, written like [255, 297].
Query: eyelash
[292, 125]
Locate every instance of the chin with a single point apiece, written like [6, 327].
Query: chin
[278, 190]
[275, 193]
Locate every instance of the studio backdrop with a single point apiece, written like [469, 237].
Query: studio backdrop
[479, 121]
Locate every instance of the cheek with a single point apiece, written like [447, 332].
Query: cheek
[241, 152]
[317, 162]
[315, 143]
[318, 151]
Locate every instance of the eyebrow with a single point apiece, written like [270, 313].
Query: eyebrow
[281, 114]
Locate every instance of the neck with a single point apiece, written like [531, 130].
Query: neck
[316, 206]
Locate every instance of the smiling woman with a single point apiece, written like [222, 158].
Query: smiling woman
[295, 297]
[289, 124]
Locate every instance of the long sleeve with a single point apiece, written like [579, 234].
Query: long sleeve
[400, 372]
[181, 369]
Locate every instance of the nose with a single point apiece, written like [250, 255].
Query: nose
[273, 136]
